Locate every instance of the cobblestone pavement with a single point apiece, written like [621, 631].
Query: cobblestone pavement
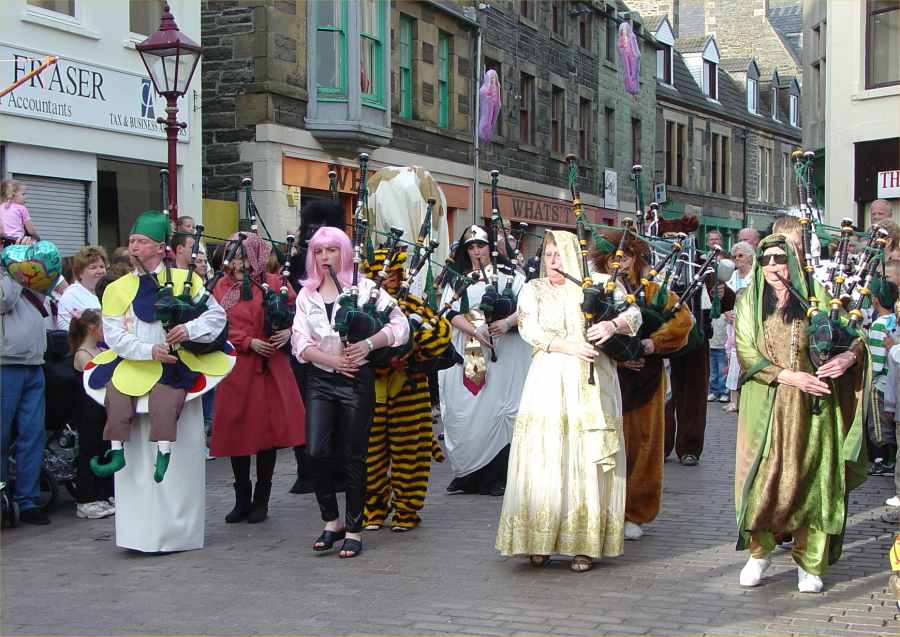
[445, 577]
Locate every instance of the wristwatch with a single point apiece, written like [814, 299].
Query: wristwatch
[370, 344]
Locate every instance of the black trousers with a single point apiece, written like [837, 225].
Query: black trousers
[339, 414]
[88, 487]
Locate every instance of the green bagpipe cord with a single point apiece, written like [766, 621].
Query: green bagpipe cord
[716, 310]
[430, 294]
[246, 289]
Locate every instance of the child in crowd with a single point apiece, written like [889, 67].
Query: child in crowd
[717, 361]
[15, 222]
[880, 340]
[93, 494]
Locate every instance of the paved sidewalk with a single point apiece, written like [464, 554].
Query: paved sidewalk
[445, 577]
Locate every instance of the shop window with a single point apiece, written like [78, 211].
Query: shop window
[144, 16]
[65, 7]
[405, 49]
[443, 79]
[371, 50]
[882, 43]
[331, 50]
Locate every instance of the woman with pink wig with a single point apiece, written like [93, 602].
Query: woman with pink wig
[340, 393]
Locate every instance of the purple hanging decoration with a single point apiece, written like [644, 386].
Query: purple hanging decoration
[630, 54]
[488, 105]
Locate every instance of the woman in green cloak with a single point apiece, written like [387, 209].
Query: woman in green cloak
[800, 430]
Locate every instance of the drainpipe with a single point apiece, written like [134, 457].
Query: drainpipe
[476, 203]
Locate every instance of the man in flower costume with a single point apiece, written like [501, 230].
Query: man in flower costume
[401, 441]
[148, 371]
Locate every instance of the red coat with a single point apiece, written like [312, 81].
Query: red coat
[257, 407]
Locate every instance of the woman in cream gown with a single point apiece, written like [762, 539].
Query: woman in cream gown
[566, 483]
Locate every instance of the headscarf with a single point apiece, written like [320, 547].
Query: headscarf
[569, 253]
[489, 103]
[255, 256]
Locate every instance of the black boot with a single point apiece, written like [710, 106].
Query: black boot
[241, 503]
[303, 484]
[260, 509]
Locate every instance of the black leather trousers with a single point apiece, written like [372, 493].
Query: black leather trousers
[339, 413]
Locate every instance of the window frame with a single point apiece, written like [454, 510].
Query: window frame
[74, 18]
[636, 135]
[785, 179]
[341, 92]
[753, 106]
[138, 33]
[585, 117]
[794, 110]
[557, 119]
[667, 54]
[669, 141]
[680, 142]
[612, 32]
[526, 108]
[585, 40]
[444, 64]
[868, 48]
[714, 158]
[526, 9]
[764, 156]
[406, 26]
[775, 103]
[710, 79]
[374, 98]
[609, 123]
[558, 19]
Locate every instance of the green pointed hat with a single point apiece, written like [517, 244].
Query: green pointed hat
[153, 224]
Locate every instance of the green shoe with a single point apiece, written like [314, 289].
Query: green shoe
[162, 465]
[115, 462]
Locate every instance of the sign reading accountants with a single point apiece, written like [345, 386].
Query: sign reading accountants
[542, 211]
[72, 92]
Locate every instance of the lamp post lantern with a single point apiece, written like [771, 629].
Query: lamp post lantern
[171, 58]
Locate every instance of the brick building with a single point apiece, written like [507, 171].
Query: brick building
[285, 112]
[724, 134]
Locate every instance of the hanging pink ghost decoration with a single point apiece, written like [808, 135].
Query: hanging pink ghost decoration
[630, 54]
[488, 105]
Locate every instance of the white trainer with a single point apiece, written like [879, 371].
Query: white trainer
[633, 531]
[807, 582]
[753, 571]
[893, 502]
[92, 510]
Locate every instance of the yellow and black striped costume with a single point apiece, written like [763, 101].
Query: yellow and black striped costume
[401, 440]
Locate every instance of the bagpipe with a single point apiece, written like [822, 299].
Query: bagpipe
[495, 304]
[171, 309]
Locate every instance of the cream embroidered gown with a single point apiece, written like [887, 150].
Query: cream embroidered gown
[565, 490]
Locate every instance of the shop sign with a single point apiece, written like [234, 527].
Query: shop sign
[540, 211]
[889, 184]
[80, 94]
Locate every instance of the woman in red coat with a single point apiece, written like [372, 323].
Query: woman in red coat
[258, 409]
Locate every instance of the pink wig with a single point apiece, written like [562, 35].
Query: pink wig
[328, 237]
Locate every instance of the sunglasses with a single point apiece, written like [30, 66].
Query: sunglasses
[770, 259]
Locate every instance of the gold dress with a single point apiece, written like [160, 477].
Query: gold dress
[565, 488]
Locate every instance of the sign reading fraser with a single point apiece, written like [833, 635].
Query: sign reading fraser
[82, 94]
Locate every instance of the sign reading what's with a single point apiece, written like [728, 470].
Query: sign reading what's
[889, 184]
[73, 92]
[541, 211]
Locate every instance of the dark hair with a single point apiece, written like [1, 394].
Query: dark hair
[180, 239]
[79, 326]
[792, 311]
[108, 278]
[887, 294]
[461, 256]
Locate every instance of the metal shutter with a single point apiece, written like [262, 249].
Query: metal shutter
[58, 209]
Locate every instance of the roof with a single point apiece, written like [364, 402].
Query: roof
[691, 45]
[732, 103]
[736, 65]
[652, 20]
[786, 18]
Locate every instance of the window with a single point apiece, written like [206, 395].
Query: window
[710, 80]
[775, 103]
[584, 129]
[719, 163]
[443, 79]
[557, 19]
[882, 43]
[144, 15]
[794, 106]
[406, 79]
[494, 65]
[752, 96]
[670, 148]
[557, 120]
[785, 178]
[765, 169]
[664, 64]
[584, 31]
[526, 109]
[331, 50]
[675, 141]
[612, 32]
[635, 141]
[66, 7]
[526, 9]
[371, 49]
[679, 154]
[609, 117]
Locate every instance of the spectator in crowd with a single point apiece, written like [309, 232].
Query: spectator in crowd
[181, 245]
[120, 264]
[750, 235]
[714, 238]
[184, 225]
[88, 266]
[717, 360]
[743, 262]
[22, 393]
[881, 339]
[15, 222]
[880, 211]
[89, 418]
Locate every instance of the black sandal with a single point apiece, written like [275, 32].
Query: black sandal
[327, 539]
[351, 546]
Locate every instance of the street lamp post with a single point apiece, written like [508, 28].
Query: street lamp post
[171, 58]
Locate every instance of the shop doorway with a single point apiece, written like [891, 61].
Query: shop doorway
[124, 190]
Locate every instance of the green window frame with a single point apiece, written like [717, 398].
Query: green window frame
[443, 79]
[371, 52]
[331, 37]
[406, 51]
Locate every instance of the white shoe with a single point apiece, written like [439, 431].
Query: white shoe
[112, 501]
[633, 531]
[92, 510]
[807, 582]
[893, 502]
[753, 571]
[209, 456]
[710, 398]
